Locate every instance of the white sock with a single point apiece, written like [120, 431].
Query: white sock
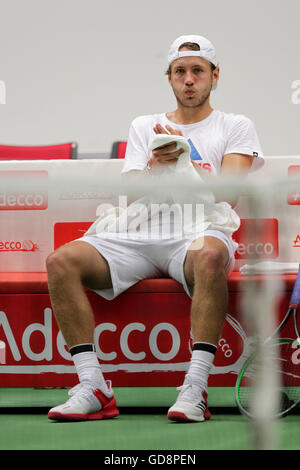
[200, 365]
[87, 366]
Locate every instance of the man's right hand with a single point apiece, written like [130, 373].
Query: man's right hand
[166, 154]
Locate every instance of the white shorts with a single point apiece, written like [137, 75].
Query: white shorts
[132, 259]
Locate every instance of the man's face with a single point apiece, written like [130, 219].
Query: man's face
[191, 79]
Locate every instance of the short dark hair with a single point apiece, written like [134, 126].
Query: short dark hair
[192, 46]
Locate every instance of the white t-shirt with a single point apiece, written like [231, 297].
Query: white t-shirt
[210, 139]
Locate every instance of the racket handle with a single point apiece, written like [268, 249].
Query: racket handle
[295, 299]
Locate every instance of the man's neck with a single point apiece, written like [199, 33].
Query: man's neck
[183, 115]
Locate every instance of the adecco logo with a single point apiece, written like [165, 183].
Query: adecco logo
[123, 347]
[293, 197]
[26, 245]
[34, 345]
[257, 238]
[296, 242]
[23, 190]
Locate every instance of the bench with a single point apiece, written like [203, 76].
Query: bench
[145, 333]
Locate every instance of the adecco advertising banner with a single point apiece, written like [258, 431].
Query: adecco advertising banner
[263, 244]
[21, 197]
[135, 343]
[278, 232]
[34, 195]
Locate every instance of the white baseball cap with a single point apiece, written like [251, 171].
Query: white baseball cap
[207, 50]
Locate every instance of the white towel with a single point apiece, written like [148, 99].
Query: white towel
[269, 267]
[213, 216]
[183, 163]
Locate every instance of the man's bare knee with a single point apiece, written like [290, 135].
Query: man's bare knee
[79, 260]
[60, 263]
[209, 260]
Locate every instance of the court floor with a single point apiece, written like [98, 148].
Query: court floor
[24, 424]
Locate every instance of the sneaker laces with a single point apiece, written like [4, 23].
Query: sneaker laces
[81, 392]
[74, 390]
[84, 391]
[189, 391]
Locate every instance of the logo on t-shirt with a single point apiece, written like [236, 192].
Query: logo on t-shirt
[195, 155]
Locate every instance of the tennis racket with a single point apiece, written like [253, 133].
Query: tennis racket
[284, 350]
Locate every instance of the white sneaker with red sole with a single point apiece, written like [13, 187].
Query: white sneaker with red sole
[191, 404]
[86, 403]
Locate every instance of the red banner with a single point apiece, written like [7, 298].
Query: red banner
[142, 339]
[257, 238]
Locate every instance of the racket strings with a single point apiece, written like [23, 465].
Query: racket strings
[287, 360]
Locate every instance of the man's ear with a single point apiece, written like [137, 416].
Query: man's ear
[169, 74]
[216, 76]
